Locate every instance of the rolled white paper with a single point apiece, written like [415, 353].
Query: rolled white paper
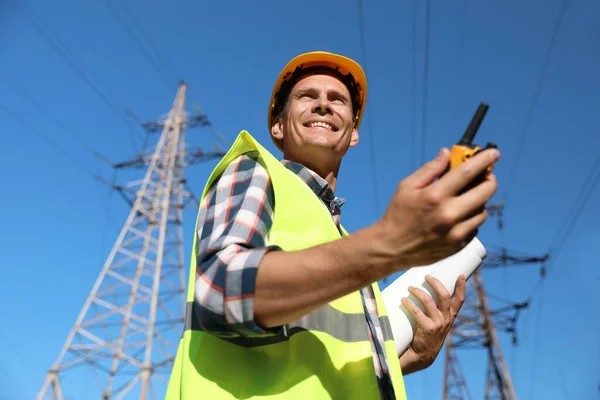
[465, 262]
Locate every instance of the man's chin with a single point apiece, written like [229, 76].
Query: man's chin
[321, 145]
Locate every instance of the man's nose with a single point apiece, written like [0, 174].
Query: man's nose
[322, 105]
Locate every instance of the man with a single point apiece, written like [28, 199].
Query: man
[282, 302]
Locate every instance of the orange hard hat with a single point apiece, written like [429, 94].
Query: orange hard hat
[346, 69]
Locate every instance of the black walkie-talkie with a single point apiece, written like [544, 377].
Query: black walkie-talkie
[465, 149]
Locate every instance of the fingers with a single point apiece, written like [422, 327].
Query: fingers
[460, 294]
[427, 301]
[441, 291]
[430, 171]
[480, 194]
[416, 312]
[464, 231]
[455, 180]
[471, 202]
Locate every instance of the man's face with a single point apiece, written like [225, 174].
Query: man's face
[319, 115]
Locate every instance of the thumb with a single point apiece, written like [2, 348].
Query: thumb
[431, 170]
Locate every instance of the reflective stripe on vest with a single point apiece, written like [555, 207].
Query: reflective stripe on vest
[326, 319]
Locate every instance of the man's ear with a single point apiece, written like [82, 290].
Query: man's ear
[277, 130]
[354, 137]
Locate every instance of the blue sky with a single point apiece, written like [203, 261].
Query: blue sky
[56, 237]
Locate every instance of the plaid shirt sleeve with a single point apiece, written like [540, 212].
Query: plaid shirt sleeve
[234, 219]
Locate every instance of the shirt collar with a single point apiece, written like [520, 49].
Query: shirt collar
[316, 183]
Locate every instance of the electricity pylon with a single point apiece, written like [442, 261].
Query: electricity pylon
[127, 332]
[476, 326]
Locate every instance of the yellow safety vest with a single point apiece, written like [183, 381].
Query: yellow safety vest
[324, 355]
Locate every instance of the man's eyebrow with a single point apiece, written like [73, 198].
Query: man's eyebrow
[304, 90]
[339, 93]
[310, 89]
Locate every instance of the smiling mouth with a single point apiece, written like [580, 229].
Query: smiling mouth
[321, 124]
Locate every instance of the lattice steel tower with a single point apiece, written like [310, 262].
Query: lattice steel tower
[476, 327]
[127, 332]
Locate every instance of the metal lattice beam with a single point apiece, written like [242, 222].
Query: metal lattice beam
[476, 327]
[126, 335]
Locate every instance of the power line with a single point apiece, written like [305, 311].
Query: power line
[583, 195]
[425, 79]
[141, 31]
[60, 49]
[64, 128]
[413, 86]
[585, 192]
[114, 11]
[60, 151]
[166, 69]
[536, 346]
[48, 141]
[536, 95]
[372, 157]
[573, 213]
[44, 110]
[462, 23]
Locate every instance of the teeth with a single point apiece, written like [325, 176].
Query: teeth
[321, 124]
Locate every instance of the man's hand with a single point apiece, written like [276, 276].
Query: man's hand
[432, 327]
[427, 219]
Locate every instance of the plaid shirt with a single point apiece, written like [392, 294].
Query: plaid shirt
[234, 219]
